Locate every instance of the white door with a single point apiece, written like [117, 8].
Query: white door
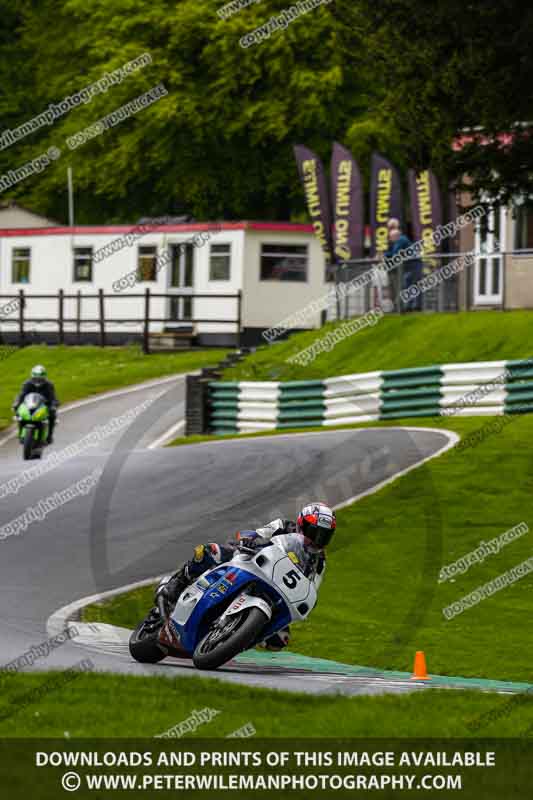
[489, 246]
[182, 278]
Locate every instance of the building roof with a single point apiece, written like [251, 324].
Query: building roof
[478, 136]
[187, 227]
[11, 205]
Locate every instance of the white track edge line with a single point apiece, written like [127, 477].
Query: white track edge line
[57, 621]
[167, 436]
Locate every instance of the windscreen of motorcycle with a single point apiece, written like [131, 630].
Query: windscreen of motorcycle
[33, 401]
[294, 546]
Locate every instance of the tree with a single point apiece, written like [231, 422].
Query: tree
[451, 65]
[220, 144]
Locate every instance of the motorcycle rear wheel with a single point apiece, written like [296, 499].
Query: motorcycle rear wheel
[216, 648]
[146, 648]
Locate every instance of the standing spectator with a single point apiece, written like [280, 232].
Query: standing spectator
[411, 269]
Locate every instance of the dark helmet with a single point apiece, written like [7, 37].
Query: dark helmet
[317, 522]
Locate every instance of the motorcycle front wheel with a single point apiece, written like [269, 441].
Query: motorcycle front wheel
[221, 644]
[27, 448]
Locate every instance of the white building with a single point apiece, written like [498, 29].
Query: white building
[277, 267]
[12, 215]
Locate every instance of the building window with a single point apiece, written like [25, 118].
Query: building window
[147, 264]
[20, 265]
[83, 264]
[523, 228]
[219, 262]
[284, 262]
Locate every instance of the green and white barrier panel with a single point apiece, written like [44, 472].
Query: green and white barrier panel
[480, 388]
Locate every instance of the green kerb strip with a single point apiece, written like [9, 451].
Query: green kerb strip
[228, 414]
[311, 423]
[431, 411]
[400, 383]
[518, 408]
[300, 413]
[293, 394]
[225, 431]
[301, 384]
[396, 405]
[415, 372]
[294, 661]
[404, 393]
[230, 385]
[519, 392]
[287, 405]
[400, 394]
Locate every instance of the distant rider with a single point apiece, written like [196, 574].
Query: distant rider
[309, 535]
[39, 383]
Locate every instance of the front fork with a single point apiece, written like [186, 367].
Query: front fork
[38, 433]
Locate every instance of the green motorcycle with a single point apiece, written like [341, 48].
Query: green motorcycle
[33, 419]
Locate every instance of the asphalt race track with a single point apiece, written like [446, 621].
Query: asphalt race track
[151, 505]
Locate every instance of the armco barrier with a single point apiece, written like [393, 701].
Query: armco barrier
[479, 388]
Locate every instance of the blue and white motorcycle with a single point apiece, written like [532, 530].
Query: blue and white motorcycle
[232, 607]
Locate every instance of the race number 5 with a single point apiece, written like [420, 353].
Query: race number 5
[291, 578]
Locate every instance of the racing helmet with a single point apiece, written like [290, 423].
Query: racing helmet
[317, 522]
[38, 374]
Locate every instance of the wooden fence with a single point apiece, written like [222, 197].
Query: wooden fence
[23, 323]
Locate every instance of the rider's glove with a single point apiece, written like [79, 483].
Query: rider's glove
[250, 539]
[272, 528]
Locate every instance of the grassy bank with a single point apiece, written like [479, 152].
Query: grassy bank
[79, 372]
[412, 340]
[101, 706]
[381, 599]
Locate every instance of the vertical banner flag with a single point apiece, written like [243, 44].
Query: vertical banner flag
[347, 197]
[385, 201]
[317, 197]
[426, 211]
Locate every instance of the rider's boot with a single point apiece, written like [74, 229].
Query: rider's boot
[278, 641]
[175, 585]
[51, 426]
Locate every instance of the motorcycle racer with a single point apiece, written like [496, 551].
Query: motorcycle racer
[305, 540]
[39, 383]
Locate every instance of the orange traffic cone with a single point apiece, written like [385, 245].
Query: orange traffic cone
[419, 670]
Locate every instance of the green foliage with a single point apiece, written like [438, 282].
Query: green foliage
[220, 145]
[402, 77]
[447, 66]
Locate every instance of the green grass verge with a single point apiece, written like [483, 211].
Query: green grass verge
[79, 372]
[100, 705]
[381, 601]
[397, 342]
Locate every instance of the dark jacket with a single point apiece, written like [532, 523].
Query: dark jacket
[402, 244]
[43, 387]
